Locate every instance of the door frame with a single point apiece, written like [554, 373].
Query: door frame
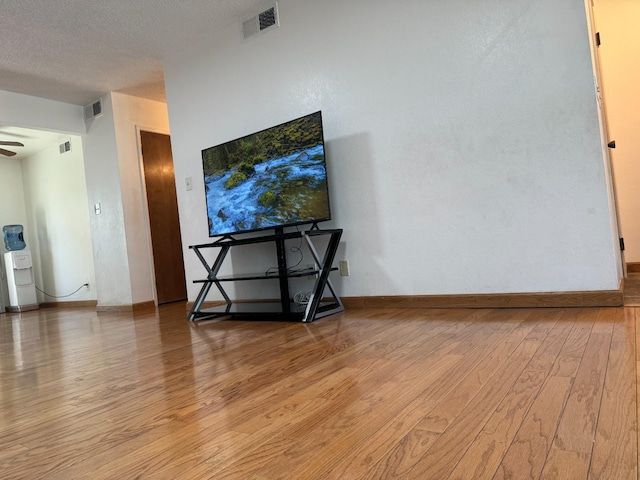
[604, 133]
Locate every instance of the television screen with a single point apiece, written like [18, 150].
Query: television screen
[273, 178]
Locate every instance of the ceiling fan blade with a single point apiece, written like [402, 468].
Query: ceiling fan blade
[8, 153]
[11, 144]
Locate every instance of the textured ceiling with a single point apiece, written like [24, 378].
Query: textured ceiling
[75, 50]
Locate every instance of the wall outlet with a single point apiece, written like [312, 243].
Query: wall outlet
[344, 267]
[88, 285]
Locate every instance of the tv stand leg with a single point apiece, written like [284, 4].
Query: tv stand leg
[212, 275]
[282, 271]
[313, 309]
[197, 305]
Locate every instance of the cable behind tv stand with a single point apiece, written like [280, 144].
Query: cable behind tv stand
[285, 308]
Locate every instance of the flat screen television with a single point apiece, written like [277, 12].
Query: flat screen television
[270, 179]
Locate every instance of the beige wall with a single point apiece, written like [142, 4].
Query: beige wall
[618, 22]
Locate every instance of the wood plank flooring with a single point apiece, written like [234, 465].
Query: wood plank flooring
[366, 394]
[632, 290]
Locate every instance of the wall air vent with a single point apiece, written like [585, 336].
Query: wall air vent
[262, 22]
[93, 110]
[65, 147]
[267, 18]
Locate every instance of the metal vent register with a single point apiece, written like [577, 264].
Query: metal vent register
[65, 147]
[93, 110]
[261, 22]
[267, 18]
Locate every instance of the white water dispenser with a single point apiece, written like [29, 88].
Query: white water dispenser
[22, 287]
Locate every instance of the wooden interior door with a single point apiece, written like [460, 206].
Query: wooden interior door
[163, 217]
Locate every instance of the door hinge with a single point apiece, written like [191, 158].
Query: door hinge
[621, 244]
[598, 39]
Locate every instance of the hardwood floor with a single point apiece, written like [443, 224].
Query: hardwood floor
[365, 394]
[632, 290]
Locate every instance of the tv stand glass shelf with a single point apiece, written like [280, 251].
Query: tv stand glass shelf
[284, 309]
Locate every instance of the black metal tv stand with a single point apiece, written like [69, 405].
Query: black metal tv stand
[285, 309]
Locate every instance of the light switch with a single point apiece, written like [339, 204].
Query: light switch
[188, 184]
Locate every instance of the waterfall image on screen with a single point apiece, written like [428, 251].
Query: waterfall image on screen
[273, 178]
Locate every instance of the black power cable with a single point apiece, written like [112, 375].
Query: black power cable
[291, 269]
[63, 296]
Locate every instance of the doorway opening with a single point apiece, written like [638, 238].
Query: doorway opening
[618, 43]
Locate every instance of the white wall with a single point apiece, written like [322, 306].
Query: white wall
[12, 209]
[462, 138]
[119, 235]
[58, 217]
[27, 111]
[130, 115]
[121, 242]
[617, 22]
[112, 284]
[107, 229]
[31, 112]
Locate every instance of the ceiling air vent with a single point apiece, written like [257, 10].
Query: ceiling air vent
[65, 147]
[260, 23]
[93, 110]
